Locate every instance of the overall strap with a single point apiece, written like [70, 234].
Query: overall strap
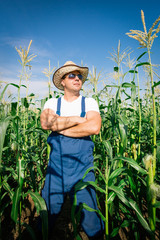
[58, 112]
[83, 113]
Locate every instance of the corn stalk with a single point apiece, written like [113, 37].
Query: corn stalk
[25, 62]
[146, 40]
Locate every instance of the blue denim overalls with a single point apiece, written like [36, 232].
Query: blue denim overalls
[69, 160]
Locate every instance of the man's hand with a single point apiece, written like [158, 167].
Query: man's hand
[90, 126]
[48, 119]
[51, 121]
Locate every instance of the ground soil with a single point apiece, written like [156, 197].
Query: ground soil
[63, 230]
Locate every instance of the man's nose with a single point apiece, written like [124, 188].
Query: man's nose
[76, 78]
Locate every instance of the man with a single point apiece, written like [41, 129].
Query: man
[72, 120]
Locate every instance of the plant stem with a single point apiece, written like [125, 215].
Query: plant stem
[140, 120]
[19, 90]
[152, 210]
[154, 116]
[106, 202]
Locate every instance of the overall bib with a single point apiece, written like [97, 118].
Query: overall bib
[69, 160]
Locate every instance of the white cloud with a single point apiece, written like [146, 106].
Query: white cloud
[39, 88]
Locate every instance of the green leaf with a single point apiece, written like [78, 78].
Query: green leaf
[111, 197]
[126, 223]
[97, 169]
[132, 163]
[3, 92]
[114, 232]
[132, 184]
[119, 193]
[85, 206]
[116, 69]
[115, 174]
[25, 102]
[144, 223]
[123, 134]
[23, 86]
[13, 108]
[20, 170]
[127, 85]
[30, 230]
[3, 128]
[141, 56]
[15, 85]
[41, 207]
[81, 185]
[156, 84]
[15, 205]
[31, 95]
[7, 187]
[133, 71]
[108, 147]
[156, 205]
[142, 64]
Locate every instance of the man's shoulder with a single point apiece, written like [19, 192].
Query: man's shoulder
[51, 100]
[90, 99]
[50, 103]
[91, 104]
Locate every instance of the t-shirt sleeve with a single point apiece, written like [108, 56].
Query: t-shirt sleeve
[91, 105]
[51, 104]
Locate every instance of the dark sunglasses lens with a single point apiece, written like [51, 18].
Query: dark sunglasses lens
[71, 75]
[80, 76]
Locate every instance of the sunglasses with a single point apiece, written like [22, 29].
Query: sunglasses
[72, 76]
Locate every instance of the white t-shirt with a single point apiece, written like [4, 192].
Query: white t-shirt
[72, 108]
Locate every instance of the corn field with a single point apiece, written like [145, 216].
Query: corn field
[126, 152]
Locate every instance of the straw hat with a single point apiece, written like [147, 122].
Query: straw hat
[68, 67]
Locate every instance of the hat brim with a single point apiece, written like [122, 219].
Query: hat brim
[60, 72]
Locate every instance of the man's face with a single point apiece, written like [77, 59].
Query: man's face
[72, 81]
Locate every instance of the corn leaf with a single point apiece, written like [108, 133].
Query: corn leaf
[142, 64]
[85, 206]
[108, 147]
[119, 193]
[132, 163]
[127, 85]
[81, 185]
[2, 94]
[111, 197]
[144, 223]
[41, 207]
[95, 168]
[20, 170]
[141, 56]
[115, 174]
[156, 205]
[30, 230]
[123, 134]
[156, 84]
[15, 205]
[3, 128]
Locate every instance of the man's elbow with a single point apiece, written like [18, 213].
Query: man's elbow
[43, 126]
[96, 129]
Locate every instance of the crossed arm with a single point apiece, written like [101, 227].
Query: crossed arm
[71, 126]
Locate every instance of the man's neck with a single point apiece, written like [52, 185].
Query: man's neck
[70, 97]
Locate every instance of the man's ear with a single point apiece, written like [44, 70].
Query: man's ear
[62, 83]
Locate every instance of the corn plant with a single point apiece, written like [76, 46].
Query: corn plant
[48, 73]
[129, 134]
[146, 40]
[25, 62]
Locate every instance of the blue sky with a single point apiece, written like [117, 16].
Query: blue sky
[79, 30]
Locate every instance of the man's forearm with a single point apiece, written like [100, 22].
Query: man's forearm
[90, 127]
[51, 121]
[63, 123]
